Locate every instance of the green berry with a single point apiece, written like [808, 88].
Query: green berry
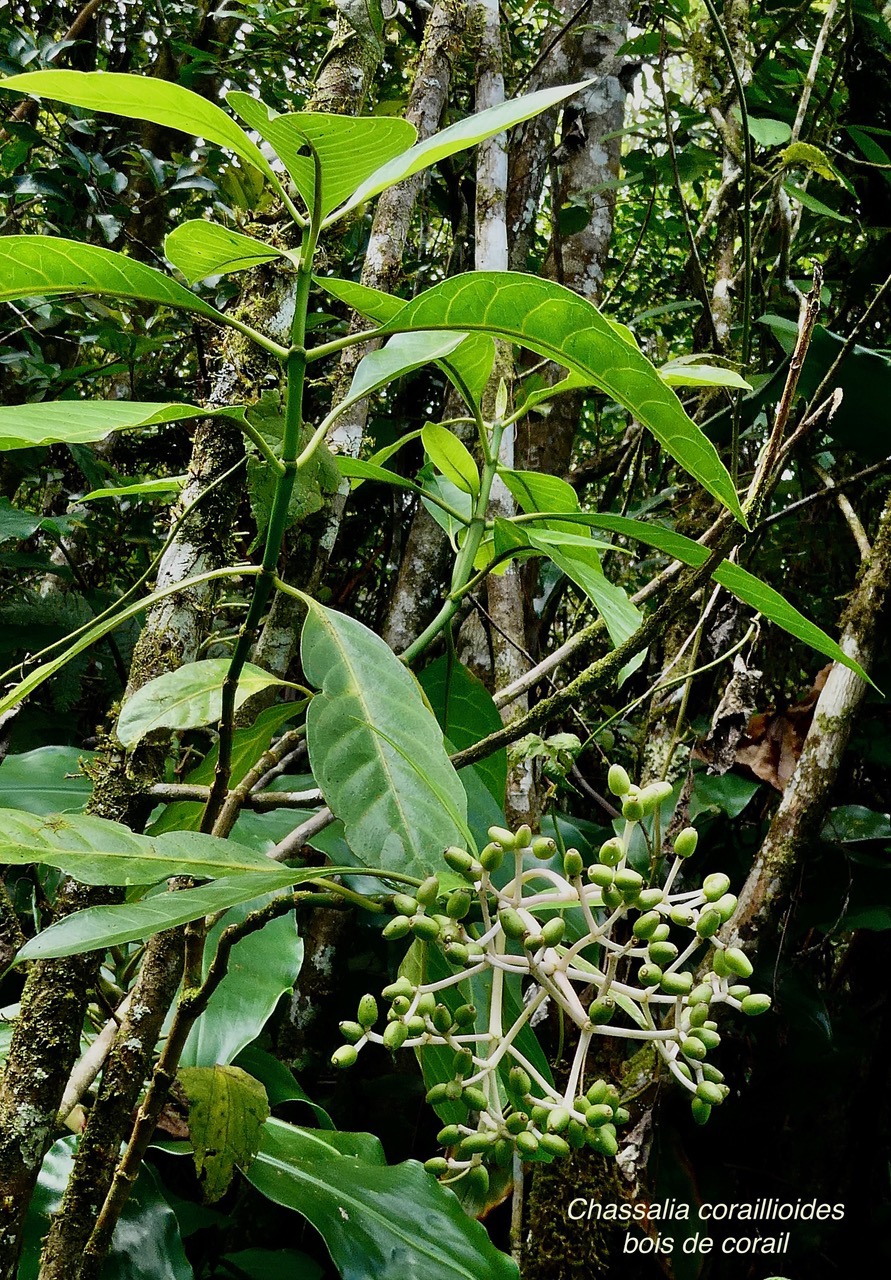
[464, 1015]
[426, 1003]
[400, 1005]
[519, 1081]
[576, 1135]
[755, 1004]
[612, 897]
[436, 1094]
[710, 1039]
[475, 1142]
[715, 886]
[438, 1166]
[693, 1048]
[501, 835]
[458, 859]
[628, 882]
[646, 925]
[701, 994]
[395, 1035]
[352, 1031]
[558, 1120]
[605, 1141]
[477, 1181]
[533, 941]
[424, 928]
[416, 1025]
[739, 991]
[552, 932]
[685, 842]
[701, 1110]
[368, 1013]
[405, 904]
[618, 781]
[453, 1090]
[611, 852]
[543, 848]
[601, 1113]
[428, 892]
[654, 794]
[698, 1014]
[598, 1092]
[711, 1072]
[441, 1019]
[474, 1099]
[649, 975]
[647, 899]
[661, 953]
[573, 864]
[601, 1011]
[554, 1144]
[632, 810]
[726, 905]
[345, 1056]
[621, 1115]
[600, 875]
[512, 923]
[458, 904]
[462, 1063]
[676, 984]
[527, 1143]
[710, 1093]
[398, 927]
[401, 987]
[516, 1122]
[492, 857]
[738, 962]
[502, 1153]
[709, 923]
[457, 953]
[662, 934]
[681, 916]
[449, 1135]
[523, 836]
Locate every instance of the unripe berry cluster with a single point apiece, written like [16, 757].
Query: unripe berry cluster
[627, 972]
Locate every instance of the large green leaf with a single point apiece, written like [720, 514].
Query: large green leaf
[467, 714]
[98, 928]
[200, 248]
[142, 98]
[744, 585]
[457, 137]
[379, 1222]
[187, 698]
[539, 491]
[349, 147]
[402, 354]
[97, 851]
[262, 967]
[452, 457]
[46, 780]
[557, 323]
[227, 1111]
[46, 266]
[376, 749]
[469, 366]
[82, 421]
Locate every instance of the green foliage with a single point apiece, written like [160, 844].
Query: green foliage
[227, 1111]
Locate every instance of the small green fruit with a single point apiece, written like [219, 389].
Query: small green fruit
[424, 928]
[710, 1039]
[519, 1081]
[395, 1035]
[523, 837]
[552, 932]
[543, 848]
[621, 1115]
[401, 987]
[698, 1014]
[465, 1014]
[352, 1031]
[649, 975]
[685, 842]
[501, 835]
[598, 1092]
[405, 904]
[428, 892]
[646, 925]
[601, 1113]
[558, 1120]
[612, 897]
[458, 859]
[492, 857]
[527, 1143]
[662, 953]
[600, 875]
[709, 923]
[368, 1013]
[400, 1005]
[554, 1144]
[453, 1090]
[739, 991]
[573, 864]
[611, 852]
[738, 962]
[475, 1142]
[345, 1056]
[618, 781]
[628, 882]
[516, 1122]
[441, 1019]
[601, 1011]
[676, 984]
[647, 899]
[701, 994]
[726, 905]
[474, 1099]
[711, 1093]
[701, 1110]
[436, 1094]
[438, 1166]
[681, 916]
[512, 923]
[416, 1025]
[693, 1048]
[397, 928]
[755, 1004]
[458, 904]
[715, 886]
[632, 810]
[533, 941]
[457, 953]
[605, 1141]
[449, 1135]
[478, 1181]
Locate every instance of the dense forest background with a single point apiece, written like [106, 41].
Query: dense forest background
[723, 182]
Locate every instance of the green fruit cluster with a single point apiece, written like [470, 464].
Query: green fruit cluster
[648, 958]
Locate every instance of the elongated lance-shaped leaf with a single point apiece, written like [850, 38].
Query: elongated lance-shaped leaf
[200, 248]
[45, 266]
[349, 147]
[468, 367]
[457, 137]
[187, 698]
[744, 585]
[379, 1221]
[142, 98]
[98, 928]
[376, 749]
[557, 323]
[97, 851]
[84, 421]
[452, 457]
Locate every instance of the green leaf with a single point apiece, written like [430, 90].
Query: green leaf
[98, 851]
[451, 457]
[557, 323]
[466, 713]
[537, 491]
[812, 203]
[46, 266]
[468, 367]
[262, 967]
[376, 750]
[401, 355]
[767, 132]
[161, 487]
[379, 1222]
[98, 928]
[146, 1244]
[457, 137]
[46, 780]
[200, 248]
[279, 1081]
[15, 524]
[456, 498]
[804, 155]
[744, 585]
[187, 698]
[349, 147]
[681, 373]
[359, 469]
[83, 421]
[142, 98]
[227, 1111]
